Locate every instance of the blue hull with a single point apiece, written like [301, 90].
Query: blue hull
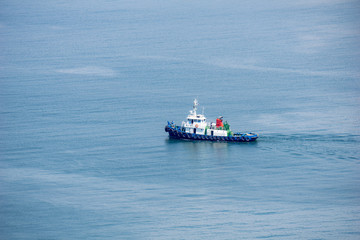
[178, 134]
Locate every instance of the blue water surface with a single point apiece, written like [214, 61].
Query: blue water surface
[86, 88]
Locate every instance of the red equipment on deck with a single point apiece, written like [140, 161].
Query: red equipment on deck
[219, 122]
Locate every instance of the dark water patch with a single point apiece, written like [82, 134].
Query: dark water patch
[265, 213]
[276, 236]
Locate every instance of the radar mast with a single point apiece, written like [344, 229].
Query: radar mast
[195, 106]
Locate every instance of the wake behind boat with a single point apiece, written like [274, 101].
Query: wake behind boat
[196, 128]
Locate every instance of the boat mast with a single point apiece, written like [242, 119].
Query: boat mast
[195, 105]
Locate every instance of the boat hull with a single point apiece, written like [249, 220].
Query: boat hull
[178, 134]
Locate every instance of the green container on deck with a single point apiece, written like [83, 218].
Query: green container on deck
[206, 128]
[226, 125]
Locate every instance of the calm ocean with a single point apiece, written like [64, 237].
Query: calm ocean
[86, 89]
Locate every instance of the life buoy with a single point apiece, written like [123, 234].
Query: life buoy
[196, 125]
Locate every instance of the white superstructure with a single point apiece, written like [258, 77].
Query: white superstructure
[196, 124]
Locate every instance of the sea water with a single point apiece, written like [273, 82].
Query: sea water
[86, 89]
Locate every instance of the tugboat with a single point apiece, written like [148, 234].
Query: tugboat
[196, 128]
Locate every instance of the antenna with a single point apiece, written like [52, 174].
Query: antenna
[195, 105]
